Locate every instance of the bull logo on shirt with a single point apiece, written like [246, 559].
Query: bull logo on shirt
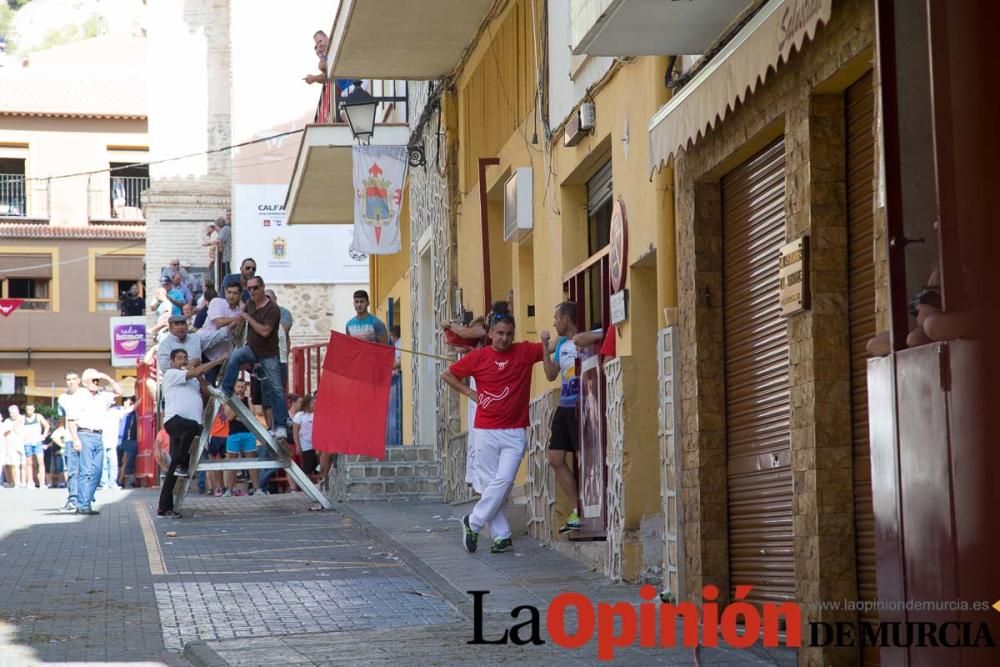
[501, 365]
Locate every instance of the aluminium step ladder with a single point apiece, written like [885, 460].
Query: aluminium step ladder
[280, 455]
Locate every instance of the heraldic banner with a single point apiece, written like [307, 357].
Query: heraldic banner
[352, 404]
[379, 173]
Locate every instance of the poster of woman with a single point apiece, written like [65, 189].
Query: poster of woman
[591, 438]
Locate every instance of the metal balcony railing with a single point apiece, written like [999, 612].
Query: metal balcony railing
[391, 96]
[13, 202]
[125, 194]
[117, 197]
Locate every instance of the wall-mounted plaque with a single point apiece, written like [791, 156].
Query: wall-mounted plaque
[793, 276]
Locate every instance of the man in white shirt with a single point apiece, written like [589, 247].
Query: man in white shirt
[224, 315]
[91, 418]
[71, 446]
[182, 416]
[112, 429]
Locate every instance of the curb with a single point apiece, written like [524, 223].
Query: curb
[454, 597]
[200, 655]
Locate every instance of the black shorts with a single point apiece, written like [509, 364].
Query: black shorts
[217, 446]
[310, 461]
[565, 430]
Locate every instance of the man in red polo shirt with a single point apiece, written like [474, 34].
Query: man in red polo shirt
[502, 373]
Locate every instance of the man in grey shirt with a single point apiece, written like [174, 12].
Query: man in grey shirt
[226, 242]
[180, 338]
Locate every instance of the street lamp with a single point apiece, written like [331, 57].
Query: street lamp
[359, 107]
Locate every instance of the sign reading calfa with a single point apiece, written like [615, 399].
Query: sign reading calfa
[793, 276]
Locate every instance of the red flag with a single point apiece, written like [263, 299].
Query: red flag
[8, 306]
[610, 346]
[353, 400]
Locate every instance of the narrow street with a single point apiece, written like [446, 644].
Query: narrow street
[262, 581]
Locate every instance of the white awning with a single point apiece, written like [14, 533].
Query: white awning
[766, 41]
[418, 40]
[321, 191]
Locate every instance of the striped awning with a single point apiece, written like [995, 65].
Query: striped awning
[744, 63]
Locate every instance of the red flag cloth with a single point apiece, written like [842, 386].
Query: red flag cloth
[8, 306]
[610, 346]
[353, 400]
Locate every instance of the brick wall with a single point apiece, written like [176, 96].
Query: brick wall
[411, 472]
[812, 124]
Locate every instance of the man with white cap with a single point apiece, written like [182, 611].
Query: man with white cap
[194, 344]
[91, 416]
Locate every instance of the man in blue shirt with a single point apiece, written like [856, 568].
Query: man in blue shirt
[364, 325]
[560, 362]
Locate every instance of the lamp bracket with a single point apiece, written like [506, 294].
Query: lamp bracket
[415, 155]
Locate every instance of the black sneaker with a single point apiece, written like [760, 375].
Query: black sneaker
[87, 511]
[502, 545]
[169, 514]
[469, 537]
[181, 472]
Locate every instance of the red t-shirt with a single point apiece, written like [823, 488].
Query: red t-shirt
[503, 382]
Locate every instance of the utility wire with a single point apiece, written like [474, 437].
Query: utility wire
[84, 258]
[210, 151]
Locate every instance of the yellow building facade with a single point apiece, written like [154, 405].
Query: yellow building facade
[495, 116]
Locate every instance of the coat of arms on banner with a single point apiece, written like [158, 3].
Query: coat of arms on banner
[379, 173]
[279, 249]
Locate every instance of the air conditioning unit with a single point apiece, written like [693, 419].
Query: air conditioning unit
[580, 124]
[517, 205]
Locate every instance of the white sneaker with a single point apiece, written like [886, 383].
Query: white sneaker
[280, 433]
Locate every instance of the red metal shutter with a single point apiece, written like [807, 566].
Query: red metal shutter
[860, 114]
[758, 448]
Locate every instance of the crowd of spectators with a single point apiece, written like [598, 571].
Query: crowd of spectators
[34, 449]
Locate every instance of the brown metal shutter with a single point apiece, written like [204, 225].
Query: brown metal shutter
[28, 265]
[118, 267]
[860, 110]
[758, 448]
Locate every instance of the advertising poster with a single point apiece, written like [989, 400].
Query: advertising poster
[302, 254]
[128, 341]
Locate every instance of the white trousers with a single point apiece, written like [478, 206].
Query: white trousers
[470, 445]
[498, 456]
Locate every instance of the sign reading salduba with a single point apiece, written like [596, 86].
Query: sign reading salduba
[379, 173]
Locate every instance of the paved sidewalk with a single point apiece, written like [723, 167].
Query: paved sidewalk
[427, 537]
[261, 581]
[75, 589]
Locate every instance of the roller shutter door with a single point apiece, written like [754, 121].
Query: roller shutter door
[758, 449]
[860, 109]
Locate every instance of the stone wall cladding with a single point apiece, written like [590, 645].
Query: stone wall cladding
[310, 306]
[669, 457]
[430, 208]
[410, 472]
[455, 487]
[615, 566]
[540, 486]
[819, 354]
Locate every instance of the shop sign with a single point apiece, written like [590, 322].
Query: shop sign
[619, 246]
[619, 307]
[793, 276]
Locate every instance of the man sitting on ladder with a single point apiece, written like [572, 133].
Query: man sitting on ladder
[262, 317]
